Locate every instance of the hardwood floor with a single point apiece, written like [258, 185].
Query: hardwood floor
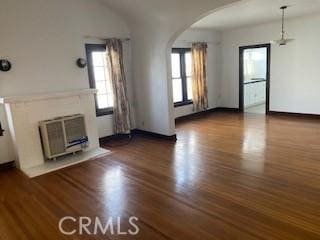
[229, 176]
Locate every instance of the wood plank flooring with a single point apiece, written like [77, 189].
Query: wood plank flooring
[229, 176]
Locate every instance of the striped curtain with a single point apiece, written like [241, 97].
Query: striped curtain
[121, 111]
[199, 76]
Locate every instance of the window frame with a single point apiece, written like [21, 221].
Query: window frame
[185, 101]
[89, 49]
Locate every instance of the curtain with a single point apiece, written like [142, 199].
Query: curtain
[121, 111]
[199, 76]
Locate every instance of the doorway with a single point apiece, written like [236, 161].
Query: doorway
[254, 83]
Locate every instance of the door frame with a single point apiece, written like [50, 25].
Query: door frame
[241, 84]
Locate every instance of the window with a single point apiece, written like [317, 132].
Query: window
[99, 78]
[181, 76]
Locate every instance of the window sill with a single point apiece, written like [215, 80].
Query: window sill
[104, 112]
[181, 104]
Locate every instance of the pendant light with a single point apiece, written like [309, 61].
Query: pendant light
[283, 41]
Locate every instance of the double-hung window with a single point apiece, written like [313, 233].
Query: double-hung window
[99, 78]
[181, 76]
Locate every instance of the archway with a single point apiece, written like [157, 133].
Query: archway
[183, 40]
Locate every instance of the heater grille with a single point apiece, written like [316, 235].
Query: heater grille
[56, 138]
[63, 135]
[75, 129]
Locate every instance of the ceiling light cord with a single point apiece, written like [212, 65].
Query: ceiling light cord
[283, 31]
[283, 41]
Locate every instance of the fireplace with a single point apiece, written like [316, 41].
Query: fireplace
[24, 114]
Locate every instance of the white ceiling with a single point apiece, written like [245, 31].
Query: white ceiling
[251, 12]
[162, 10]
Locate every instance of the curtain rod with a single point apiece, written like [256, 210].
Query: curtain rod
[106, 38]
[188, 41]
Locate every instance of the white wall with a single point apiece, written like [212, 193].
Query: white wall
[43, 39]
[213, 39]
[295, 68]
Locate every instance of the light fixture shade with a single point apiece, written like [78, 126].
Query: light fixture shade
[282, 42]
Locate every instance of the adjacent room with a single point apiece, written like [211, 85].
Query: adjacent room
[180, 119]
[253, 78]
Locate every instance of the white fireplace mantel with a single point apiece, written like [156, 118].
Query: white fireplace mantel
[46, 96]
[26, 111]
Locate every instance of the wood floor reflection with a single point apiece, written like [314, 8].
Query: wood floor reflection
[229, 176]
